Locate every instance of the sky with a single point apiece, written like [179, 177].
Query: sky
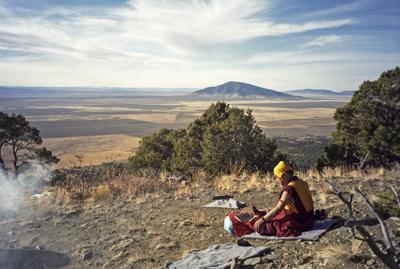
[280, 45]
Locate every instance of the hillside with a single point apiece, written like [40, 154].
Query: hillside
[150, 230]
[233, 89]
[319, 92]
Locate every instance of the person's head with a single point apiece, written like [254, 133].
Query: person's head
[283, 172]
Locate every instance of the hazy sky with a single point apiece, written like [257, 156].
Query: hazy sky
[197, 43]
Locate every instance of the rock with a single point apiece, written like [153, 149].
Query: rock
[166, 246]
[252, 261]
[87, 255]
[183, 223]
[71, 211]
[235, 263]
[370, 262]
[270, 257]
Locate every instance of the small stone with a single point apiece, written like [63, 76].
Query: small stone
[370, 262]
[87, 255]
[252, 261]
[183, 223]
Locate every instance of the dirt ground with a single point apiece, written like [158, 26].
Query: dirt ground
[152, 231]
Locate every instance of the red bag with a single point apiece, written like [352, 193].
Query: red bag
[242, 222]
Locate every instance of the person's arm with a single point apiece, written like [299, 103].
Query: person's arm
[285, 198]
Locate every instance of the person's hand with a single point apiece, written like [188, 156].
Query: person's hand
[255, 210]
[258, 224]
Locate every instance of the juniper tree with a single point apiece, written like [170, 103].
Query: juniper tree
[368, 127]
[23, 141]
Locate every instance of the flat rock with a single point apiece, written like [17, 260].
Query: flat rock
[252, 261]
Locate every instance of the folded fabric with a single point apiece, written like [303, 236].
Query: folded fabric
[217, 256]
[226, 203]
[319, 228]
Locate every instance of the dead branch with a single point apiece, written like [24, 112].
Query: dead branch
[388, 241]
[396, 194]
[362, 160]
[348, 202]
[389, 257]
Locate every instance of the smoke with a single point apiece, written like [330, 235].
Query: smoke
[13, 191]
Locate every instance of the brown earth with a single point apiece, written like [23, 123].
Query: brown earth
[151, 231]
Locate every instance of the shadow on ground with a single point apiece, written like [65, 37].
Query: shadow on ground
[31, 259]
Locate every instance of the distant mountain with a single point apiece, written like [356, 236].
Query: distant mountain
[233, 89]
[319, 92]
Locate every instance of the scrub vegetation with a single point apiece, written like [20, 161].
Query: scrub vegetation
[222, 138]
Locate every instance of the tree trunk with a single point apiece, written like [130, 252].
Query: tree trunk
[15, 161]
[2, 166]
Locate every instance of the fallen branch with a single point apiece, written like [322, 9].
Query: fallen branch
[388, 241]
[389, 257]
[397, 196]
[348, 202]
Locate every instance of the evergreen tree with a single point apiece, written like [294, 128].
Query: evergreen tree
[24, 141]
[368, 127]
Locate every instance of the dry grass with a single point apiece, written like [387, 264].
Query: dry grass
[100, 192]
[200, 218]
[332, 255]
[96, 183]
[134, 186]
[244, 182]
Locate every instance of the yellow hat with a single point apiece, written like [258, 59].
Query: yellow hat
[281, 168]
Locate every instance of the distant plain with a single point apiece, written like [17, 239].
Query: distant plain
[106, 125]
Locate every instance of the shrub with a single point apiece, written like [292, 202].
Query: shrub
[155, 151]
[221, 138]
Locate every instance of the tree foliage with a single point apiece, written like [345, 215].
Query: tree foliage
[221, 138]
[155, 151]
[368, 127]
[23, 141]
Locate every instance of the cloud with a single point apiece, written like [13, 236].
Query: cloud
[325, 40]
[150, 30]
[304, 57]
[172, 43]
[342, 8]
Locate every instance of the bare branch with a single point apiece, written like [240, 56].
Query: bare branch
[385, 258]
[389, 258]
[388, 241]
[362, 160]
[396, 194]
[347, 202]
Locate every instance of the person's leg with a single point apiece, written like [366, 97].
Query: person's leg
[267, 228]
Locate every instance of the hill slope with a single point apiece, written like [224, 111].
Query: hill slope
[319, 92]
[240, 89]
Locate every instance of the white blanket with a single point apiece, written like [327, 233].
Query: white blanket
[226, 203]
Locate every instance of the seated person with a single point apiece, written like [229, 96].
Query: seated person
[294, 211]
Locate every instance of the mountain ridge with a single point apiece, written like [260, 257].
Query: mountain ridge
[319, 92]
[241, 89]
